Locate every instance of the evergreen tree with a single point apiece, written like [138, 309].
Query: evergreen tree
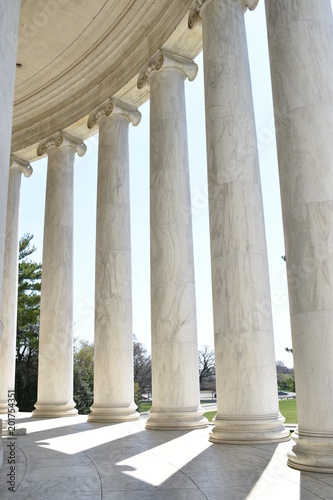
[83, 376]
[28, 308]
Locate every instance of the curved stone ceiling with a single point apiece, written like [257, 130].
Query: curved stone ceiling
[74, 54]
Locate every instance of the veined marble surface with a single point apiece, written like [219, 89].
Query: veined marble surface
[301, 57]
[174, 330]
[10, 282]
[113, 343]
[55, 369]
[9, 23]
[247, 403]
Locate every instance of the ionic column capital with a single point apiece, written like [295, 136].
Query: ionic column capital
[195, 13]
[21, 165]
[114, 107]
[250, 4]
[167, 60]
[197, 6]
[62, 139]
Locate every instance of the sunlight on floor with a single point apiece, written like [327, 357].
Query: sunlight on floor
[41, 424]
[157, 465]
[277, 481]
[86, 439]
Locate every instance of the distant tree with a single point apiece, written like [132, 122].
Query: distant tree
[288, 349]
[137, 395]
[285, 377]
[83, 376]
[287, 384]
[281, 367]
[142, 365]
[206, 365]
[28, 309]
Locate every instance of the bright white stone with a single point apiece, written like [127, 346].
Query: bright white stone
[301, 56]
[175, 383]
[9, 22]
[55, 364]
[247, 405]
[10, 278]
[113, 345]
[9, 19]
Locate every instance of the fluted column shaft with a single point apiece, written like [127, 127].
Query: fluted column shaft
[55, 362]
[300, 38]
[175, 381]
[113, 346]
[247, 404]
[10, 281]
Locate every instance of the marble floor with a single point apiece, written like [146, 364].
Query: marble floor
[69, 458]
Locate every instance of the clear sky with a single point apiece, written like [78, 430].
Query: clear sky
[33, 200]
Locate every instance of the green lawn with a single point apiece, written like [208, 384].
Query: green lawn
[287, 408]
[210, 415]
[145, 406]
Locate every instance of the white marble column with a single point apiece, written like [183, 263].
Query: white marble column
[55, 361]
[247, 403]
[113, 346]
[175, 373]
[10, 281]
[300, 38]
[9, 25]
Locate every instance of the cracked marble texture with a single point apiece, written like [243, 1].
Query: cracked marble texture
[9, 291]
[301, 58]
[280, 13]
[308, 357]
[173, 312]
[236, 220]
[113, 376]
[180, 388]
[111, 391]
[242, 299]
[240, 281]
[170, 198]
[55, 378]
[309, 250]
[9, 21]
[305, 158]
[290, 67]
[232, 151]
[173, 309]
[171, 254]
[244, 360]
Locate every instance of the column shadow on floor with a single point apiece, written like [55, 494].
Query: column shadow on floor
[87, 460]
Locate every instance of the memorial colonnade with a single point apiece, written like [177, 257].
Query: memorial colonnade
[247, 405]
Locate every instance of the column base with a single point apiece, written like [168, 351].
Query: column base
[176, 419]
[113, 414]
[312, 451]
[54, 410]
[4, 408]
[249, 430]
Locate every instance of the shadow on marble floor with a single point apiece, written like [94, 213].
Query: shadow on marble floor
[73, 459]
